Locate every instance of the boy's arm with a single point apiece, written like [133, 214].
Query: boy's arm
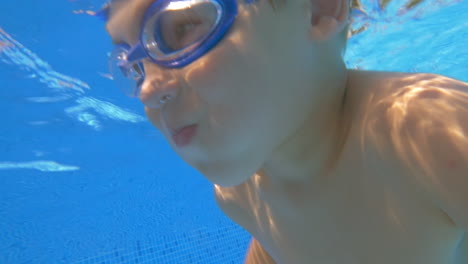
[256, 254]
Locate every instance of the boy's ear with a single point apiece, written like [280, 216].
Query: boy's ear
[328, 18]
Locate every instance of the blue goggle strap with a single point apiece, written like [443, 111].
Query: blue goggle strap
[137, 53]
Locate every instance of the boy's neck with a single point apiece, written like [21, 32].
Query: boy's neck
[312, 152]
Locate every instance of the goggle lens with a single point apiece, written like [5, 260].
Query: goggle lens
[174, 33]
[178, 27]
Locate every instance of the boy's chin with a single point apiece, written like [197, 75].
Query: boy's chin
[230, 170]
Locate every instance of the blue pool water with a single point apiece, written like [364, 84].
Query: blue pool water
[84, 178]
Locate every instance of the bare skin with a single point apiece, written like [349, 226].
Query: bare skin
[368, 206]
[319, 163]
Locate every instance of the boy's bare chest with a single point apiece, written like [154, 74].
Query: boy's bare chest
[366, 223]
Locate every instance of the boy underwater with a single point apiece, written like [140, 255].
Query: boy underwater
[321, 164]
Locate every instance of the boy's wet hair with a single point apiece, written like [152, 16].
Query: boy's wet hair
[103, 13]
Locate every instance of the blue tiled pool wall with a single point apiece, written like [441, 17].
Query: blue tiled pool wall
[430, 38]
[226, 245]
[85, 179]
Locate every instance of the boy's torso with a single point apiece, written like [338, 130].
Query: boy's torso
[370, 209]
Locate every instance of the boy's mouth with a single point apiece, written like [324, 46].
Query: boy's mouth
[183, 136]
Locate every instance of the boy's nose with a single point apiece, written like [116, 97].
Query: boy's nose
[158, 88]
[155, 92]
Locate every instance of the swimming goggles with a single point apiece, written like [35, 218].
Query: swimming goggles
[174, 33]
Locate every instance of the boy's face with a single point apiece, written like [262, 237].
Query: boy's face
[246, 95]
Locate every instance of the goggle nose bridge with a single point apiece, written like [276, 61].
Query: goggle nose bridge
[136, 54]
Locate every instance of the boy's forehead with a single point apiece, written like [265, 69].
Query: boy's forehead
[123, 12]
[117, 6]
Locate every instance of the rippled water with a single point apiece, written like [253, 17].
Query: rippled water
[85, 177]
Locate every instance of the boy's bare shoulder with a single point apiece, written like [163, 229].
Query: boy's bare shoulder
[400, 86]
[420, 120]
[387, 102]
